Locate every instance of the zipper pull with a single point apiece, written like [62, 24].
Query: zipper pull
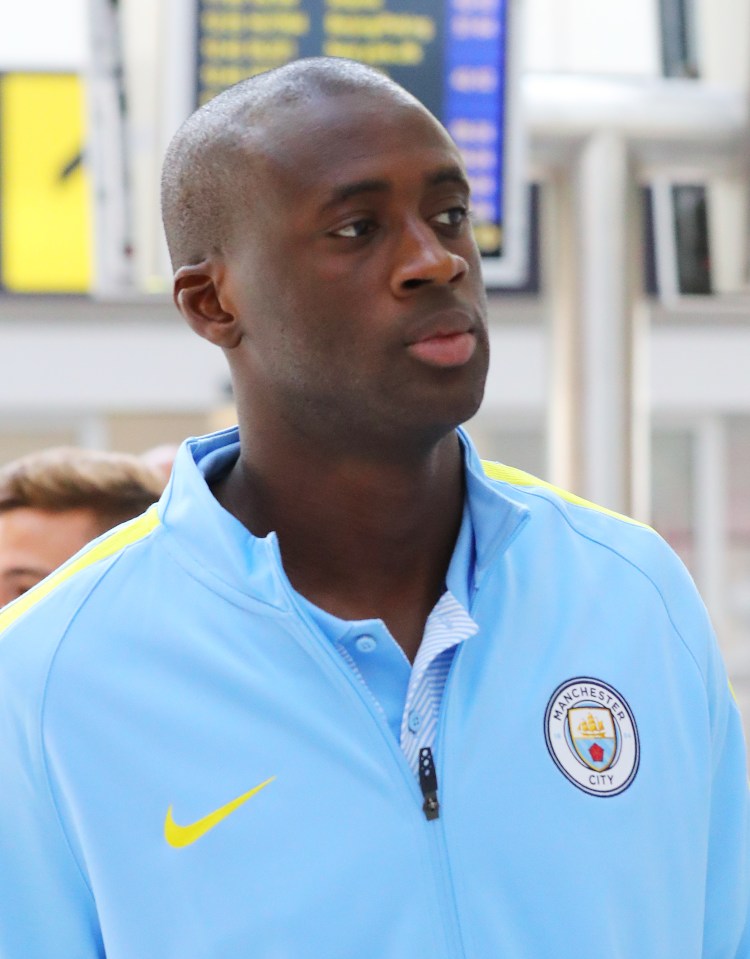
[428, 784]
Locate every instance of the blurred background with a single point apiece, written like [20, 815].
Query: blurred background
[608, 149]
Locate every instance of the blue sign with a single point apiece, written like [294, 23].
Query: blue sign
[451, 54]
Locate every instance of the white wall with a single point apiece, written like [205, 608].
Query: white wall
[592, 36]
[42, 34]
[722, 36]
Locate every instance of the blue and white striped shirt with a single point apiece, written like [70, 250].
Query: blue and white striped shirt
[447, 626]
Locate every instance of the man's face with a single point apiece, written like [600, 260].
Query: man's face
[33, 542]
[356, 276]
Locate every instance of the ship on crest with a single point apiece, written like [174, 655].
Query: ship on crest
[590, 727]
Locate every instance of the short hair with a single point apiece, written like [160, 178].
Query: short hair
[114, 486]
[199, 185]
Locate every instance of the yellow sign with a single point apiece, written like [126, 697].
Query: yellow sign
[45, 216]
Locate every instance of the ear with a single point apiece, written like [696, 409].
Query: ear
[196, 295]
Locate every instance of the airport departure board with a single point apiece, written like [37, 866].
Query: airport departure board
[451, 54]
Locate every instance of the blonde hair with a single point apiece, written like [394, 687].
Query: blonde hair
[114, 486]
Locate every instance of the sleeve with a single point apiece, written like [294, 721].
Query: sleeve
[47, 910]
[725, 839]
[727, 916]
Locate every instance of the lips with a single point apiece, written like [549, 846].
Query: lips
[444, 341]
[452, 349]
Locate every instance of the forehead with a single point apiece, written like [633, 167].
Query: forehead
[44, 534]
[312, 148]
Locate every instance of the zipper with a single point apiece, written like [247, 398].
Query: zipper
[437, 838]
[428, 784]
[426, 788]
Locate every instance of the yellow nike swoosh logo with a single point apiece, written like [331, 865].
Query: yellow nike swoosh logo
[179, 836]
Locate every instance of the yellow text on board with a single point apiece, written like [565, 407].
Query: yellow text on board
[45, 210]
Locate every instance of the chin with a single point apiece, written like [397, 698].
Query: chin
[442, 418]
[460, 404]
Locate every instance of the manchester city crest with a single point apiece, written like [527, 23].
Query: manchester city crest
[592, 736]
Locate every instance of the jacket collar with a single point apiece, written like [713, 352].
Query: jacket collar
[202, 530]
[496, 519]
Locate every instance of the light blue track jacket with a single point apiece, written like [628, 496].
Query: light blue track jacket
[189, 770]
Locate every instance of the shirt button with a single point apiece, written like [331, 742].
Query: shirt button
[366, 644]
[415, 721]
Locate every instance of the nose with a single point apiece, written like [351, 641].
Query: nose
[422, 259]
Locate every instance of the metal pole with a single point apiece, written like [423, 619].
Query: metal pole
[107, 154]
[598, 412]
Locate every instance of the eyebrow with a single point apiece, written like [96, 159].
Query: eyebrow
[15, 571]
[448, 174]
[347, 190]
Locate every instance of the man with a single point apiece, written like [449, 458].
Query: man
[52, 503]
[346, 692]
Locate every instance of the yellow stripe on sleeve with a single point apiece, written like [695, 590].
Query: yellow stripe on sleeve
[125, 536]
[516, 477]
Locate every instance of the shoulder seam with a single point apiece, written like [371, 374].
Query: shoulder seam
[516, 477]
[41, 744]
[531, 492]
[113, 548]
[117, 541]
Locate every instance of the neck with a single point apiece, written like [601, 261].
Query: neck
[361, 537]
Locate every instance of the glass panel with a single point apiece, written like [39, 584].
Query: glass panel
[691, 230]
[677, 250]
[678, 38]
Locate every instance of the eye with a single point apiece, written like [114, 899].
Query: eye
[454, 217]
[355, 229]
